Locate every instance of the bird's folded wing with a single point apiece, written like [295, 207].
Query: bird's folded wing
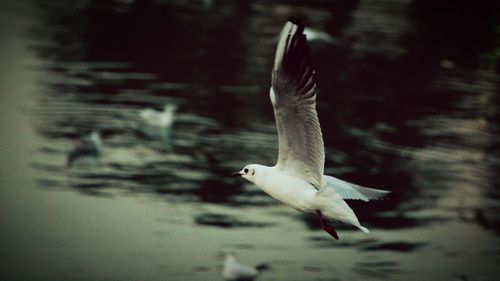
[293, 94]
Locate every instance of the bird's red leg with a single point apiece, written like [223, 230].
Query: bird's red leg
[325, 226]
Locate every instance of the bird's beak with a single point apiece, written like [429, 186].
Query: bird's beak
[235, 174]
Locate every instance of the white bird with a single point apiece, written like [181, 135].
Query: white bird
[90, 146]
[297, 179]
[233, 270]
[154, 123]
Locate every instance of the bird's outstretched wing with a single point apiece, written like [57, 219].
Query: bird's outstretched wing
[352, 191]
[293, 95]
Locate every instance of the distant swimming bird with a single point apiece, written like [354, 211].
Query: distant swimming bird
[155, 123]
[297, 179]
[90, 146]
[318, 35]
[233, 270]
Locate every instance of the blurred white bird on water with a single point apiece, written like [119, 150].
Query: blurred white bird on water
[158, 124]
[233, 270]
[297, 179]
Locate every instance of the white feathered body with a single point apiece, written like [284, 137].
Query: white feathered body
[301, 195]
[155, 123]
[158, 119]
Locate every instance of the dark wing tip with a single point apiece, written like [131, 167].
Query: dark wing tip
[296, 21]
[296, 63]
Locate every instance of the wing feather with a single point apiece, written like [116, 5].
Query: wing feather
[293, 94]
[352, 191]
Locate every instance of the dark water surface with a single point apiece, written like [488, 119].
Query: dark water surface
[408, 102]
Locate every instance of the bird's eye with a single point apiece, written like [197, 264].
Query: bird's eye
[246, 171]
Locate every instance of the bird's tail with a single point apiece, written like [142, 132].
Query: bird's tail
[365, 230]
[334, 207]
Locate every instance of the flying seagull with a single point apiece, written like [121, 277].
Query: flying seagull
[297, 179]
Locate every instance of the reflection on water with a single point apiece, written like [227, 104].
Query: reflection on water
[393, 117]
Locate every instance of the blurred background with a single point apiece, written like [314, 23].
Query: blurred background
[408, 101]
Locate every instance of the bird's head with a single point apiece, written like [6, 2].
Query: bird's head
[225, 254]
[249, 172]
[169, 108]
[95, 137]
